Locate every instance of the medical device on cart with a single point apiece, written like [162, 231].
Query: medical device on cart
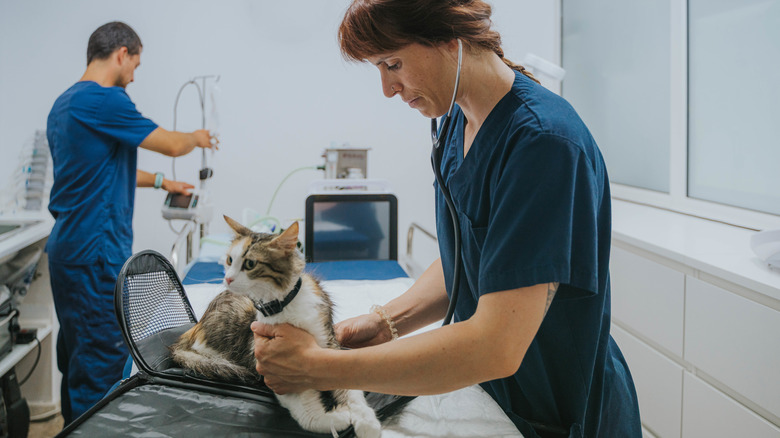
[346, 162]
[351, 220]
[178, 206]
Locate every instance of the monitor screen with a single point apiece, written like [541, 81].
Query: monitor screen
[351, 227]
[179, 201]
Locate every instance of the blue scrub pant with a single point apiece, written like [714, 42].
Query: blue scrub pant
[90, 349]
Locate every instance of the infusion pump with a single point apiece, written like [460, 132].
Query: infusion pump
[186, 207]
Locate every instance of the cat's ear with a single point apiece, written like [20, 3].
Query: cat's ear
[288, 240]
[238, 228]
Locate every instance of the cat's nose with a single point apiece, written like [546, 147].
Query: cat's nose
[228, 280]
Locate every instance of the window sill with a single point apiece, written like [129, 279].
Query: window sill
[709, 248]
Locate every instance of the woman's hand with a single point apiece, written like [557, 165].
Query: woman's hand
[362, 331]
[282, 354]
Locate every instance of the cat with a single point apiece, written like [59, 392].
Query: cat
[264, 281]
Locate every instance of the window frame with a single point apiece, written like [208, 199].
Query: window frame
[677, 199]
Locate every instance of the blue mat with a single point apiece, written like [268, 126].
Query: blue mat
[213, 273]
[357, 270]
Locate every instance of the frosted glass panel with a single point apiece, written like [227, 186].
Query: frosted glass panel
[616, 55]
[734, 102]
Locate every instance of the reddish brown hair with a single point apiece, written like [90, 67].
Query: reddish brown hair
[373, 27]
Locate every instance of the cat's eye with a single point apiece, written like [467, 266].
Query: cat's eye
[229, 260]
[249, 264]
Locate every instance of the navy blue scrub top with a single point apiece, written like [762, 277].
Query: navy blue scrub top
[533, 201]
[93, 134]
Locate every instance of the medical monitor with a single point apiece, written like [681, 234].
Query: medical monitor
[351, 227]
[179, 206]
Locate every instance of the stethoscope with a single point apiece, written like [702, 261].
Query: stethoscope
[436, 153]
[438, 148]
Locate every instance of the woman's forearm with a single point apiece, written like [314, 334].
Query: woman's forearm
[424, 303]
[490, 345]
[418, 365]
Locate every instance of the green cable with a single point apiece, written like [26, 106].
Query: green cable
[268, 212]
[214, 241]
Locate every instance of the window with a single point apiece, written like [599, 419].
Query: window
[683, 100]
[734, 102]
[616, 55]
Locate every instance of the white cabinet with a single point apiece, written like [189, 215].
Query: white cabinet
[711, 414]
[649, 297]
[735, 341]
[705, 359]
[659, 383]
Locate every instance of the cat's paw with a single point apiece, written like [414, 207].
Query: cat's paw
[338, 420]
[364, 420]
[333, 420]
[367, 428]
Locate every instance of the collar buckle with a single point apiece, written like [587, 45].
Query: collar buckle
[276, 306]
[268, 309]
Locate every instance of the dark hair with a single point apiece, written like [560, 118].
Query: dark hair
[372, 27]
[111, 36]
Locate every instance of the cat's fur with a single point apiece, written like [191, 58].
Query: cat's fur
[221, 345]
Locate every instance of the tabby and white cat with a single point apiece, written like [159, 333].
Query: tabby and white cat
[265, 281]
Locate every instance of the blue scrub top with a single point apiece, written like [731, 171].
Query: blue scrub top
[93, 134]
[533, 201]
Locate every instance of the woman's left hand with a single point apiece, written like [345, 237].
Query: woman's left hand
[283, 354]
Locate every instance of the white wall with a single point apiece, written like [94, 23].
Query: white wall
[286, 93]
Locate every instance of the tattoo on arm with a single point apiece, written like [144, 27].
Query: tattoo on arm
[551, 289]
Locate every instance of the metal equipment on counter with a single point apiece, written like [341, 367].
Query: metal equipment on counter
[346, 162]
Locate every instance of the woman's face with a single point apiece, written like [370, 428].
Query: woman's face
[423, 76]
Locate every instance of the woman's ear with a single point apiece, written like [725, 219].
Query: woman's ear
[452, 46]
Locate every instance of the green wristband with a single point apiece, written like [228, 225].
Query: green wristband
[158, 180]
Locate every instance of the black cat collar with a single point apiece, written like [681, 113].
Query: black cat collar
[276, 306]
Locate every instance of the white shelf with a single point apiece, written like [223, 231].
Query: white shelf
[717, 249]
[39, 228]
[21, 350]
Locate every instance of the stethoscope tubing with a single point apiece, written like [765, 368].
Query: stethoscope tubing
[436, 160]
[436, 155]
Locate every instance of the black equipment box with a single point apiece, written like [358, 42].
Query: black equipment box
[8, 323]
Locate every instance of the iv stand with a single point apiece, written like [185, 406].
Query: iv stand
[205, 171]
